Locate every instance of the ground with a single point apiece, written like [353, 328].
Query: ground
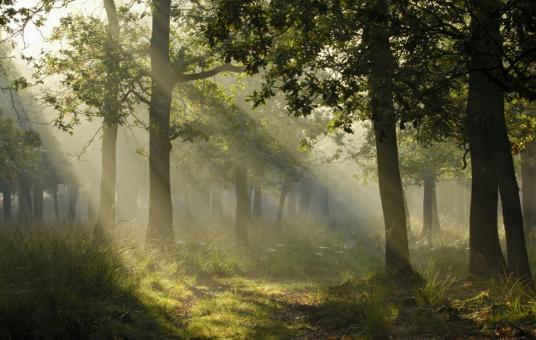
[298, 284]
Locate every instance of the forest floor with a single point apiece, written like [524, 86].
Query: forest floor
[308, 285]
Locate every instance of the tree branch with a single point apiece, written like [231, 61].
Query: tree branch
[181, 78]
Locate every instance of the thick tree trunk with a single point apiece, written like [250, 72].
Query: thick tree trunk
[160, 225]
[384, 123]
[38, 202]
[486, 115]
[6, 205]
[25, 201]
[242, 204]
[73, 201]
[528, 187]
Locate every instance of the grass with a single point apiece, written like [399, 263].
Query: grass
[302, 283]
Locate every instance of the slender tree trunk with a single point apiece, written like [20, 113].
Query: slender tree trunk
[384, 123]
[217, 211]
[38, 202]
[528, 186]
[486, 108]
[107, 204]
[6, 193]
[242, 204]
[56, 203]
[73, 201]
[305, 199]
[281, 207]
[427, 207]
[292, 213]
[436, 225]
[25, 200]
[406, 210]
[160, 226]
[257, 201]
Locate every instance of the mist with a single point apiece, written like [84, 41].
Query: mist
[265, 169]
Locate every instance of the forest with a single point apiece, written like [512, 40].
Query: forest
[267, 169]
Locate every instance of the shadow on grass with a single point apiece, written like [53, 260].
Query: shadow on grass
[57, 285]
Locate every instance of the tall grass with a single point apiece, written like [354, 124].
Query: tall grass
[57, 285]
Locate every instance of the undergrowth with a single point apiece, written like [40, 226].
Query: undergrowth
[302, 282]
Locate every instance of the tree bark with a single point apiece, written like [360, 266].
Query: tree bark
[528, 187]
[160, 226]
[384, 123]
[242, 204]
[486, 108]
[6, 205]
[38, 202]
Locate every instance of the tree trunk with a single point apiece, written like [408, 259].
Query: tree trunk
[56, 203]
[427, 208]
[242, 204]
[38, 202]
[292, 213]
[257, 201]
[107, 205]
[160, 225]
[384, 123]
[305, 199]
[25, 201]
[281, 207]
[6, 193]
[486, 109]
[436, 226]
[528, 187]
[217, 211]
[406, 210]
[73, 201]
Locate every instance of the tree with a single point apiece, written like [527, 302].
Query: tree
[165, 75]
[317, 63]
[491, 154]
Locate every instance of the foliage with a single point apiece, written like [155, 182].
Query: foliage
[80, 73]
[19, 152]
